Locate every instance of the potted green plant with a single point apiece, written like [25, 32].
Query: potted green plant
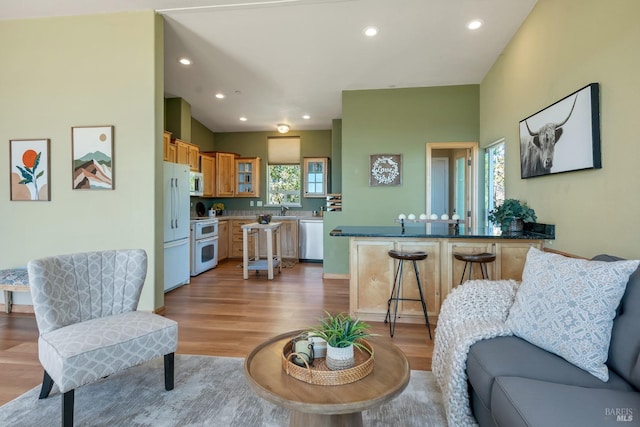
[218, 207]
[342, 334]
[511, 214]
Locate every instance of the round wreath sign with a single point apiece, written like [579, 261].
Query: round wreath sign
[385, 169]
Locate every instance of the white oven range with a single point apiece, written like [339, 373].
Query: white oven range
[204, 245]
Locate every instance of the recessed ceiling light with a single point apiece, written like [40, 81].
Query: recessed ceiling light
[185, 61]
[306, 117]
[475, 24]
[220, 95]
[370, 31]
[243, 119]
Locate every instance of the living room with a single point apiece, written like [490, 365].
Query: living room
[562, 46]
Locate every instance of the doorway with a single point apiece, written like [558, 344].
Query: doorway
[455, 191]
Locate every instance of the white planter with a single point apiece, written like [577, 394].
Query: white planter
[339, 358]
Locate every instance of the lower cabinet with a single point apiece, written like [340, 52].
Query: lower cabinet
[223, 240]
[373, 271]
[236, 238]
[288, 240]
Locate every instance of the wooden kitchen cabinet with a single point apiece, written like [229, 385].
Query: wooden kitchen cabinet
[372, 271]
[208, 169]
[187, 154]
[182, 152]
[223, 239]
[316, 176]
[247, 177]
[168, 148]
[236, 238]
[194, 158]
[288, 240]
[226, 172]
[511, 257]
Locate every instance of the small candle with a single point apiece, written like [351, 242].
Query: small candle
[302, 348]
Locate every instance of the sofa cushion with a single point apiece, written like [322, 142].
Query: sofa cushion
[567, 306]
[624, 350]
[512, 356]
[531, 403]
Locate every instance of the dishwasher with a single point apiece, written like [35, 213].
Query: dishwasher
[310, 239]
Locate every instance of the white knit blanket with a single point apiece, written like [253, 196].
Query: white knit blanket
[473, 311]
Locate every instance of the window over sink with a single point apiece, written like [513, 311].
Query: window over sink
[284, 175]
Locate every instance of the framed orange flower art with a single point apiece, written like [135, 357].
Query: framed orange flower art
[29, 169]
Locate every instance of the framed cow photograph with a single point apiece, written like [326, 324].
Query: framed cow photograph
[563, 137]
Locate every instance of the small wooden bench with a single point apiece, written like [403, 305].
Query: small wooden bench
[13, 280]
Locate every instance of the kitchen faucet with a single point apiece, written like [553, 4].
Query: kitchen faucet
[283, 210]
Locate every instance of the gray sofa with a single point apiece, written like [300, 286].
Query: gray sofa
[514, 383]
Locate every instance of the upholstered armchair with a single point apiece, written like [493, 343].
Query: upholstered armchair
[85, 307]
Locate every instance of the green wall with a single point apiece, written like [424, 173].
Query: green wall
[561, 47]
[201, 136]
[393, 121]
[316, 143]
[85, 70]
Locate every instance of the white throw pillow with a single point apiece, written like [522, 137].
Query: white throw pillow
[567, 306]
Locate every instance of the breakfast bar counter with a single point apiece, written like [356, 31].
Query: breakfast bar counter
[372, 269]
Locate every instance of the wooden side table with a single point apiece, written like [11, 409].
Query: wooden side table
[270, 262]
[318, 405]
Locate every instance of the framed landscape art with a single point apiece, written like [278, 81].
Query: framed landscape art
[29, 169]
[564, 136]
[92, 153]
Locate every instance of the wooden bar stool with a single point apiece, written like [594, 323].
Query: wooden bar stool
[470, 259]
[397, 283]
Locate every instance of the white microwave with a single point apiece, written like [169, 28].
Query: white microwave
[196, 184]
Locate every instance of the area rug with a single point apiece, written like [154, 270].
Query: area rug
[209, 391]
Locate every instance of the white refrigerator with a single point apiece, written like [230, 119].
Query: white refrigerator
[176, 225]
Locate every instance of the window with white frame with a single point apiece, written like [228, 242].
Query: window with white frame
[284, 174]
[494, 177]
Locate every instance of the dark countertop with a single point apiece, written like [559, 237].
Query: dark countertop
[446, 231]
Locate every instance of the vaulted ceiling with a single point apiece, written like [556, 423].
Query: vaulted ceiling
[276, 61]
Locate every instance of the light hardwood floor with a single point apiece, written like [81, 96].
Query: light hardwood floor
[220, 314]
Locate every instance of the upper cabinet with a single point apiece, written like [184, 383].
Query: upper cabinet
[226, 173]
[168, 148]
[187, 154]
[316, 175]
[248, 177]
[208, 169]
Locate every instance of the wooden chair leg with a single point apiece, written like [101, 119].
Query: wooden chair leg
[168, 371]
[47, 385]
[67, 409]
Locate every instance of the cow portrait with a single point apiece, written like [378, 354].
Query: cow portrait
[537, 148]
[562, 137]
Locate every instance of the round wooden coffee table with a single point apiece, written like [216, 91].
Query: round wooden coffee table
[319, 405]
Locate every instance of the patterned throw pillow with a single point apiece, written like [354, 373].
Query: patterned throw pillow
[567, 306]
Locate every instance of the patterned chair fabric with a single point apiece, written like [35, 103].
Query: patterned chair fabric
[85, 310]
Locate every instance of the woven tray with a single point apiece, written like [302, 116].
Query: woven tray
[319, 374]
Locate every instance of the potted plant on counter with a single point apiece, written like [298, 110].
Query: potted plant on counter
[511, 215]
[342, 334]
[218, 207]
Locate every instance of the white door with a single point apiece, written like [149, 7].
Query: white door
[439, 186]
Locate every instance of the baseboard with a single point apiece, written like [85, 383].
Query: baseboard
[332, 276]
[160, 310]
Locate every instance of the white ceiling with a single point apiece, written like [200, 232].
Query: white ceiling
[276, 60]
